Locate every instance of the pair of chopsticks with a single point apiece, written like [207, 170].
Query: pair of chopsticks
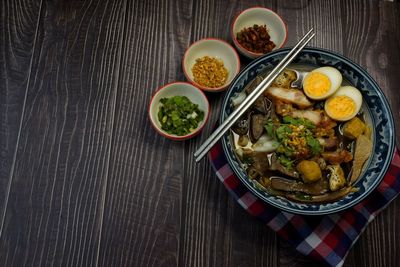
[251, 98]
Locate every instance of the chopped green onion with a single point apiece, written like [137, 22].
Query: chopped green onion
[178, 115]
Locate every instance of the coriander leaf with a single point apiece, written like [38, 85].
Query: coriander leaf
[269, 127]
[289, 120]
[314, 145]
[286, 162]
[308, 124]
[299, 121]
[283, 131]
[303, 196]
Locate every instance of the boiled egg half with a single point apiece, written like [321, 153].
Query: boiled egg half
[322, 82]
[344, 104]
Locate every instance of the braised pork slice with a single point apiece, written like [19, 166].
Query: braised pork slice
[318, 117]
[292, 96]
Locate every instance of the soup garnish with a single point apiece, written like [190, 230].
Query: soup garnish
[210, 72]
[178, 115]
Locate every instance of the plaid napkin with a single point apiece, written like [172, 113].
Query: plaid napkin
[326, 238]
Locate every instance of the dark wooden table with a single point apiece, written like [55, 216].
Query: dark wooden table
[86, 181]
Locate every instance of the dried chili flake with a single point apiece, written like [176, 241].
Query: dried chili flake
[255, 39]
[210, 72]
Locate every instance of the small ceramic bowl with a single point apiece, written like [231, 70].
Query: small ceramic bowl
[216, 48]
[276, 27]
[194, 94]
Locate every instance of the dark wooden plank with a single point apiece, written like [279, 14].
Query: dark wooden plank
[142, 214]
[54, 214]
[367, 33]
[143, 205]
[325, 17]
[161, 208]
[17, 37]
[376, 46]
[235, 239]
[156, 203]
[86, 141]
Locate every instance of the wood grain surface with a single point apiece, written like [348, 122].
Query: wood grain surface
[18, 29]
[86, 181]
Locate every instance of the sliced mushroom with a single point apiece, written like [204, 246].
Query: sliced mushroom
[262, 105]
[257, 123]
[322, 198]
[253, 84]
[260, 161]
[288, 185]
[275, 165]
[241, 126]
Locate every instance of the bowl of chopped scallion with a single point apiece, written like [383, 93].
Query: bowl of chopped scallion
[179, 110]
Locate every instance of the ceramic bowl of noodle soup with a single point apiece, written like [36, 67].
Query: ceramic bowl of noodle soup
[295, 148]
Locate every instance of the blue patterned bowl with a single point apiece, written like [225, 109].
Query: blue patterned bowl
[375, 107]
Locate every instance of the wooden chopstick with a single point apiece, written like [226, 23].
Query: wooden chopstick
[250, 99]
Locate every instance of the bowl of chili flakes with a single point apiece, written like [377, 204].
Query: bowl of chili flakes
[257, 31]
[211, 64]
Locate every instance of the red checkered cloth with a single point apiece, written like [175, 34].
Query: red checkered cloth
[326, 238]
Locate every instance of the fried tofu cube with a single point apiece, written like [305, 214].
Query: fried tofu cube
[284, 79]
[336, 179]
[354, 128]
[309, 170]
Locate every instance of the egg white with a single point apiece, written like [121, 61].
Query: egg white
[333, 75]
[350, 92]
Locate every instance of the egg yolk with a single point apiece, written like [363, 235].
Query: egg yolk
[316, 84]
[341, 106]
